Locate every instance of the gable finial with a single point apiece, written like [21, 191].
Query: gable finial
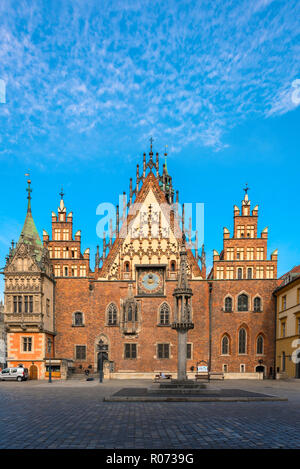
[29, 190]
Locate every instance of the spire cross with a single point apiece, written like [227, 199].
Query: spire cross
[62, 193]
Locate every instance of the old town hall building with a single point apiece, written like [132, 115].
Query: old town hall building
[58, 309]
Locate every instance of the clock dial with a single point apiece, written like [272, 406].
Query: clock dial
[150, 282]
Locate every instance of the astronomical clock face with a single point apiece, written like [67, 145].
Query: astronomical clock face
[150, 282]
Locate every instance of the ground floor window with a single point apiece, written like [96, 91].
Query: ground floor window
[163, 350]
[130, 351]
[54, 368]
[80, 351]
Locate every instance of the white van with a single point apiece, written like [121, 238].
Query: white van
[10, 374]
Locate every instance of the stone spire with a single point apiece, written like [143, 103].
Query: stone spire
[29, 234]
[97, 258]
[182, 311]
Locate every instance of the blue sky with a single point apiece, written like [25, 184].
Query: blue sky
[88, 82]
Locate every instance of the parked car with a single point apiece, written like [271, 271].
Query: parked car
[10, 374]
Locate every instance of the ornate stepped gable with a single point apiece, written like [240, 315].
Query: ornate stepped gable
[150, 234]
[244, 255]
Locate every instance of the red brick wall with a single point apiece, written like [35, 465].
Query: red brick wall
[255, 324]
[74, 295]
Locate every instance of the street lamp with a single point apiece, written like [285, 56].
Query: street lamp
[49, 353]
[102, 347]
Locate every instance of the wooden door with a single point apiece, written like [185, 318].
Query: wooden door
[33, 372]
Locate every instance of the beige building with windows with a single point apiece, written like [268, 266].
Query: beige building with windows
[288, 325]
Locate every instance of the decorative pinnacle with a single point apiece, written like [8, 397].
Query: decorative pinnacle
[29, 190]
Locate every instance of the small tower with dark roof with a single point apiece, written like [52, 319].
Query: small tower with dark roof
[29, 299]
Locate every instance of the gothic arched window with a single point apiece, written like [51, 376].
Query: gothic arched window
[112, 314]
[240, 273]
[257, 304]
[164, 314]
[228, 304]
[127, 266]
[173, 266]
[131, 311]
[260, 345]
[249, 273]
[242, 340]
[243, 302]
[225, 345]
[78, 319]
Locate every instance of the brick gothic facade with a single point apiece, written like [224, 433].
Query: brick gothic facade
[128, 302]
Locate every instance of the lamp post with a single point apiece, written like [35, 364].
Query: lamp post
[49, 353]
[102, 347]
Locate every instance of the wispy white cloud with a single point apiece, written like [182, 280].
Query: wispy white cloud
[184, 71]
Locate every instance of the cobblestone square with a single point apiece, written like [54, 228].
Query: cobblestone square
[72, 414]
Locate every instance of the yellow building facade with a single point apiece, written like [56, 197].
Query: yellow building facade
[288, 325]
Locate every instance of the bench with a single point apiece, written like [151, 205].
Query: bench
[202, 376]
[159, 377]
[216, 375]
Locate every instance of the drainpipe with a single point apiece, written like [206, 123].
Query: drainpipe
[210, 286]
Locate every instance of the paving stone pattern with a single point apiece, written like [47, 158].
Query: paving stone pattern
[75, 416]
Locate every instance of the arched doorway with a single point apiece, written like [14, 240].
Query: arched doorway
[104, 357]
[101, 350]
[33, 372]
[260, 369]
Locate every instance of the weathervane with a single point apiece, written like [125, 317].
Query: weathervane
[246, 188]
[151, 141]
[62, 192]
[29, 190]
